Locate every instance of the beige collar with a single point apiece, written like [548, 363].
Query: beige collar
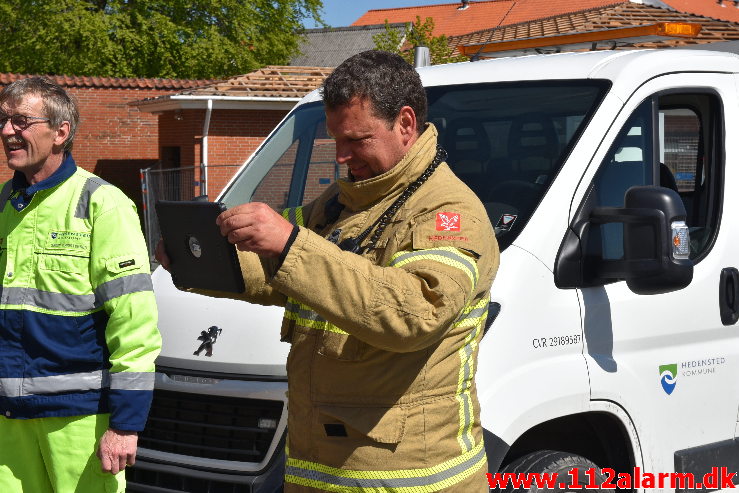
[362, 194]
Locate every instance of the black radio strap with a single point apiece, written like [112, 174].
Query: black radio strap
[354, 244]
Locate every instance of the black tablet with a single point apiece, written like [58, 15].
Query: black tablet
[200, 257]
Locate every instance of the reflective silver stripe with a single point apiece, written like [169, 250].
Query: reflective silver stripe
[5, 194]
[465, 429]
[63, 302]
[476, 314]
[123, 285]
[76, 382]
[132, 380]
[365, 479]
[83, 204]
[473, 314]
[306, 317]
[302, 311]
[47, 300]
[72, 382]
[438, 252]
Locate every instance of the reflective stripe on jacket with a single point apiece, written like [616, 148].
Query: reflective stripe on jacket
[78, 317]
[384, 345]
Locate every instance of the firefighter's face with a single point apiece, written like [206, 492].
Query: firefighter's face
[367, 144]
[31, 145]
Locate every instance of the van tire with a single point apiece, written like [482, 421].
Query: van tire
[552, 461]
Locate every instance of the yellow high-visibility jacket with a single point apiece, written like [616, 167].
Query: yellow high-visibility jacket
[384, 345]
[78, 318]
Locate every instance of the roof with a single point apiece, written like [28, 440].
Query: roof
[727, 10]
[330, 46]
[450, 20]
[111, 82]
[275, 87]
[621, 15]
[272, 81]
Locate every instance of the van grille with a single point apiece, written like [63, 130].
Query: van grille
[211, 426]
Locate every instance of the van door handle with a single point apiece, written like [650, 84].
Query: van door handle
[728, 297]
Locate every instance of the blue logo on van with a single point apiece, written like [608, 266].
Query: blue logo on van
[668, 377]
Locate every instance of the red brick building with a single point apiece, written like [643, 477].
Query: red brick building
[220, 125]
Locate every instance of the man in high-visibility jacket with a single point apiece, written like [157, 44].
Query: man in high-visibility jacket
[385, 280]
[78, 334]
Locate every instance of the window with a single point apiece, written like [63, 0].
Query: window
[671, 140]
[506, 141]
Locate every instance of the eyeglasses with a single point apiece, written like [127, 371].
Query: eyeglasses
[20, 122]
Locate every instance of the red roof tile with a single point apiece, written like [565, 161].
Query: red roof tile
[727, 10]
[448, 19]
[451, 21]
[626, 14]
[528, 10]
[112, 82]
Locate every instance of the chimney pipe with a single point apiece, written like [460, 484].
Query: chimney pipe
[465, 5]
[421, 57]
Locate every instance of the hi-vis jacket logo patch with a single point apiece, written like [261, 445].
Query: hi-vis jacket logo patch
[448, 221]
[68, 240]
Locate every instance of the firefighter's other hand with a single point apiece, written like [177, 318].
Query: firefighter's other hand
[117, 449]
[160, 254]
[255, 227]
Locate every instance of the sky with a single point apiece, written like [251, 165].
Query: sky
[339, 13]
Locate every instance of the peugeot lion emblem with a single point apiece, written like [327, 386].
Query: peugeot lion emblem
[209, 338]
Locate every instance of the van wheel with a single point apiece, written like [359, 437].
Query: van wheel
[552, 462]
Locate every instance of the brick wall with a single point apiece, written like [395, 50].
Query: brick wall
[115, 140]
[232, 137]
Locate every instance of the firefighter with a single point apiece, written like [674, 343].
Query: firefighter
[385, 281]
[78, 334]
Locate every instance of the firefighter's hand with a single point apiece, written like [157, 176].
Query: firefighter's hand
[117, 449]
[160, 254]
[255, 227]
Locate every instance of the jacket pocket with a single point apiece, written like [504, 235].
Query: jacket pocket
[65, 263]
[338, 346]
[378, 424]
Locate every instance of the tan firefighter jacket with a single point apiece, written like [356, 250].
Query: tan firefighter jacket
[384, 345]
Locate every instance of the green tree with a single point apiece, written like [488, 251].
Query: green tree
[417, 34]
[150, 38]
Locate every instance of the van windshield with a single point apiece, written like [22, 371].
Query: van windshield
[506, 141]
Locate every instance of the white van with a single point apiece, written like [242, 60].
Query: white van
[612, 337]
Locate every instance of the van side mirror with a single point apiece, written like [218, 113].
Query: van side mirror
[655, 245]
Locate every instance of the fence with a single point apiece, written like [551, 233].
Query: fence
[175, 184]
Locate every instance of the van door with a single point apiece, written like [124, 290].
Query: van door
[669, 360]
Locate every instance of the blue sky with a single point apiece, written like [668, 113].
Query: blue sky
[338, 13]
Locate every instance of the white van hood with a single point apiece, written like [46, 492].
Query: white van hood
[249, 341]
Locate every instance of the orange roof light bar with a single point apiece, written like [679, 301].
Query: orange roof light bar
[645, 33]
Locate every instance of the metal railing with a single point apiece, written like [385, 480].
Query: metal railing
[180, 183]
[163, 184]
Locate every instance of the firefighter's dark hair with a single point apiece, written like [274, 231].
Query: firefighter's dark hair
[384, 78]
